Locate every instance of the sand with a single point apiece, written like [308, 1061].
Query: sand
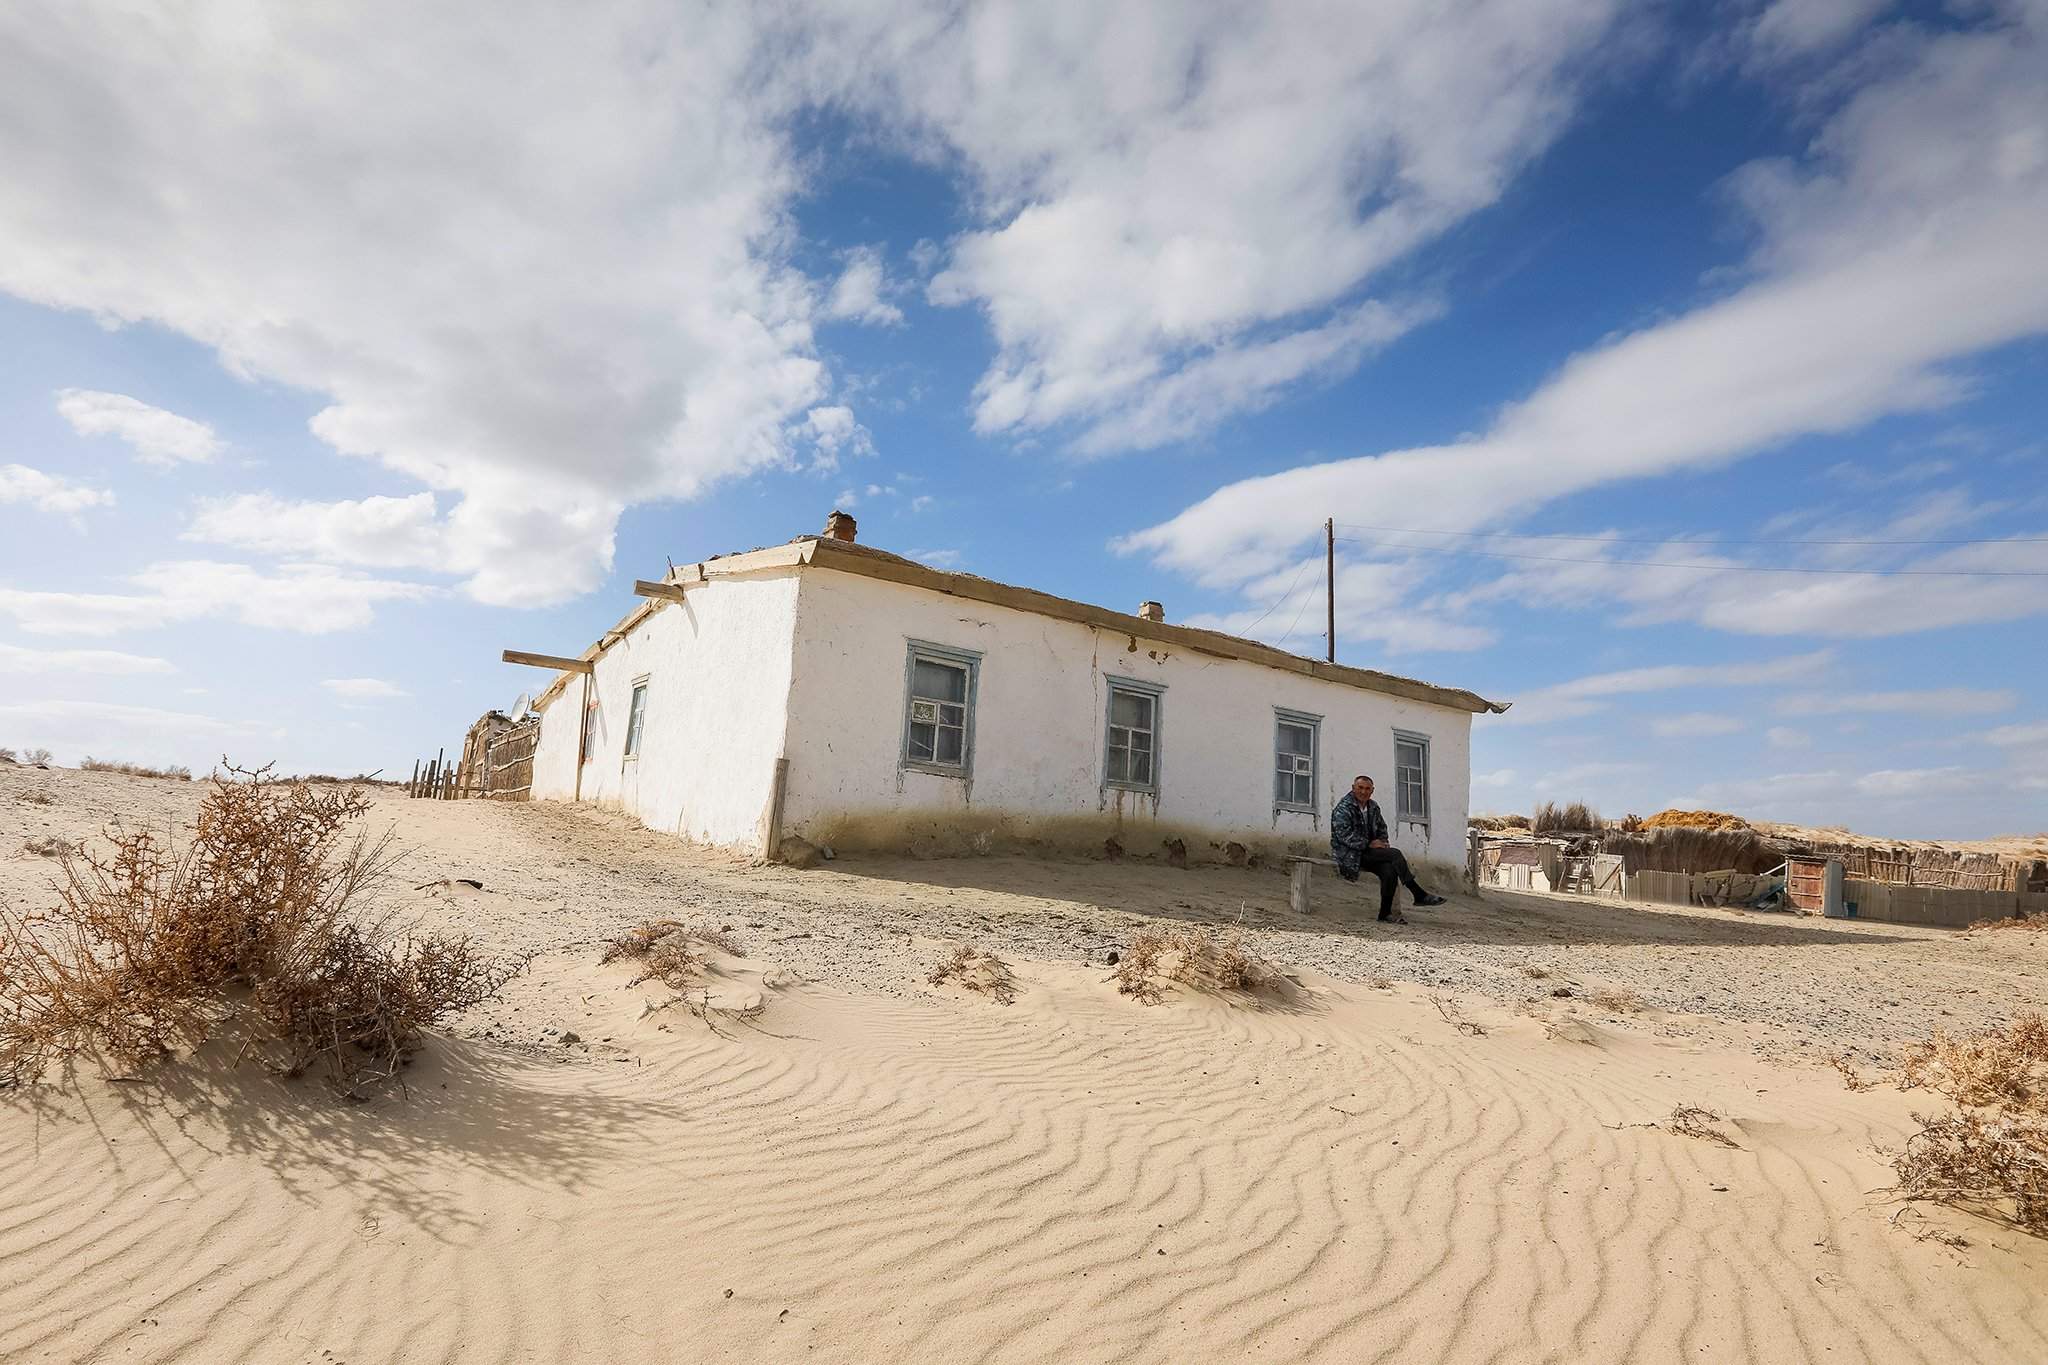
[873, 1168]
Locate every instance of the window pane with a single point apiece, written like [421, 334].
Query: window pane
[921, 742]
[1118, 765]
[1130, 708]
[1141, 769]
[1141, 740]
[950, 743]
[1294, 739]
[941, 682]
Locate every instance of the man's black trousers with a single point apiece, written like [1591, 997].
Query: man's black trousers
[1390, 865]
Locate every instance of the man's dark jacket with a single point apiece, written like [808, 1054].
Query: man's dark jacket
[1353, 828]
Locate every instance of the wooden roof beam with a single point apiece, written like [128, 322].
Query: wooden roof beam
[667, 592]
[554, 661]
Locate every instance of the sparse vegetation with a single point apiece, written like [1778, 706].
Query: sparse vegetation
[1694, 819]
[1690, 1120]
[1575, 818]
[1615, 999]
[1535, 971]
[47, 846]
[978, 970]
[1991, 1152]
[1685, 849]
[37, 798]
[1455, 1017]
[248, 933]
[668, 950]
[1851, 1077]
[1192, 957]
[32, 757]
[2034, 923]
[111, 765]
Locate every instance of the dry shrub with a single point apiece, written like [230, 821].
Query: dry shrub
[1689, 1120]
[37, 798]
[978, 970]
[112, 765]
[668, 950]
[246, 934]
[32, 757]
[1695, 819]
[1381, 983]
[1193, 957]
[1851, 1077]
[1616, 999]
[1534, 971]
[1993, 1148]
[48, 846]
[1578, 817]
[1514, 822]
[1631, 823]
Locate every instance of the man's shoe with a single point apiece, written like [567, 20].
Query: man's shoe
[1396, 918]
[1429, 900]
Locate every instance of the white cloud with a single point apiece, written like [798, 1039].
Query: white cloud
[1921, 196]
[48, 493]
[378, 532]
[1696, 725]
[1372, 605]
[1500, 777]
[1939, 701]
[1784, 737]
[158, 437]
[363, 689]
[1803, 28]
[1167, 187]
[308, 598]
[2019, 736]
[534, 258]
[1584, 696]
[938, 559]
[860, 294]
[47, 663]
[832, 433]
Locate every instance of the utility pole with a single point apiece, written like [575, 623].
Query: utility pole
[1330, 582]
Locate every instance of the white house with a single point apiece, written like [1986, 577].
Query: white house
[862, 700]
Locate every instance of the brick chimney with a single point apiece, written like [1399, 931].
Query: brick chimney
[1151, 611]
[840, 526]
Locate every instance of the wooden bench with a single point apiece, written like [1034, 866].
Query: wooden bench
[1297, 881]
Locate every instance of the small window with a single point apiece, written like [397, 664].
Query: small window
[1294, 759]
[636, 718]
[589, 739]
[1411, 778]
[938, 720]
[1131, 749]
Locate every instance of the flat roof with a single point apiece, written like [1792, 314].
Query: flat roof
[819, 552]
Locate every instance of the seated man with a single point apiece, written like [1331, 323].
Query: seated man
[1358, 839]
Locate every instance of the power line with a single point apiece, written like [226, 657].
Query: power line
[1282, 597]
[1665, 540]
[1707, 568]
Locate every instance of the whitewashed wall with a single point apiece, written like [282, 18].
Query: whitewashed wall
[1038, 743]
[718, 668]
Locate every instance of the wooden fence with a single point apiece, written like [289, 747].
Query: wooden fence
[500, 768]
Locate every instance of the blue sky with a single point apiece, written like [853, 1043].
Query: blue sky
[341, 352]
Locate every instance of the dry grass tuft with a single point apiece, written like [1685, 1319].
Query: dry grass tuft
[33, 757]
[246, 934]
[1535, 971]
[1689, 1120]
[1615, 999]
[978, 970]
[668, 950]
[1575, 818]
[1456, 1017]
[1992, 1150]
[1191, 956]
[111, 765]
[48, 846]
[37, 798]
[1381, 983]
[1851, 1077]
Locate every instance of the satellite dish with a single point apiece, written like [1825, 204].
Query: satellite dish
[522, 706]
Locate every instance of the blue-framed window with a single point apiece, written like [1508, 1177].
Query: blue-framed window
[1411, 777]
[1130, 747]
[1297, 739]
[939, 685]
[636, 717]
